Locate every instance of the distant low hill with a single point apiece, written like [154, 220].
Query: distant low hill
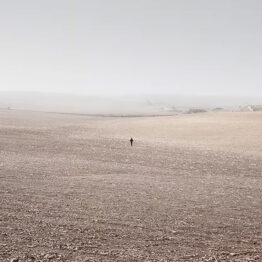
[121, 105]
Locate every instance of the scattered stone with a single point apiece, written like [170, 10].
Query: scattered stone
[15, 260]
[50, 256]
[33, 258]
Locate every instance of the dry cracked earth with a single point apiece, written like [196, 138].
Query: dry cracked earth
[69, 191]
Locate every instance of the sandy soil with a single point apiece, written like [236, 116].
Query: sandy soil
[72, 188]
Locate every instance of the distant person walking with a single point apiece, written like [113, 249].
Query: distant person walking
[131, 141]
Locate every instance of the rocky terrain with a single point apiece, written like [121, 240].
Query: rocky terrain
[72, 188]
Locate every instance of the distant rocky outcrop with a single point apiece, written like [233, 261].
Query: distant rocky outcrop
[218, 109]
[250, 108]
[196, 111]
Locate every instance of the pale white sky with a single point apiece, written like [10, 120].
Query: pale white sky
[204, 47]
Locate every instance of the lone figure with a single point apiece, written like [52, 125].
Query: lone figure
[131, 141]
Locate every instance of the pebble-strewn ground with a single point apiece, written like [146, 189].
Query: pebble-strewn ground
[72, 189]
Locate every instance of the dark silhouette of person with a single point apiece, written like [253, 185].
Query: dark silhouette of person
[131, 141]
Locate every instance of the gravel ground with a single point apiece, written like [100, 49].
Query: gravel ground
[70, 191]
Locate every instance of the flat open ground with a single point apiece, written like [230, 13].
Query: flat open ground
[72, 188]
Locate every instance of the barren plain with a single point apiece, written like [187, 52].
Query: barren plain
[72, 188]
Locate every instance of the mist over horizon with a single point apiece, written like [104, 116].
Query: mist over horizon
[148, 104]
[130, 57]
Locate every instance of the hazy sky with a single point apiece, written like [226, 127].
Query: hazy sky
[204, 47]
